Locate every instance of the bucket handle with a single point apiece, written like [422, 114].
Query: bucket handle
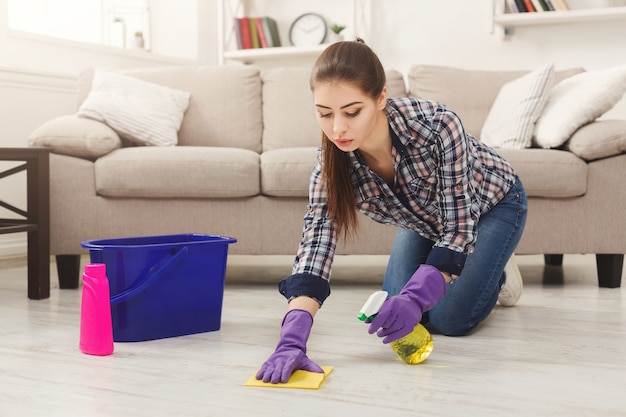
[146, 278]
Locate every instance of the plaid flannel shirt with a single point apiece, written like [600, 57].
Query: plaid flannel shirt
[445, 179]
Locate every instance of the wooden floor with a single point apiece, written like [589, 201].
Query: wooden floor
[560, 352]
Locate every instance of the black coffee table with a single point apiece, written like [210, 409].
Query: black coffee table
[36, 219]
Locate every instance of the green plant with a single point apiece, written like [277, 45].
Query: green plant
[337, 28]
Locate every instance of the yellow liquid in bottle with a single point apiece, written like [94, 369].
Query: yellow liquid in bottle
[415, 347]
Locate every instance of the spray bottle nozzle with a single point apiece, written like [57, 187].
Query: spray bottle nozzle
[372, 306]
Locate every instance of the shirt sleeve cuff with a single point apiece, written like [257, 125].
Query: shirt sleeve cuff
[447, 260]
[304, 285]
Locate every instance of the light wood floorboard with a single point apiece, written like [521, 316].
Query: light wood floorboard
[560, 352]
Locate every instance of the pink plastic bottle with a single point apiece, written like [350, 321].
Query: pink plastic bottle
[96, 329]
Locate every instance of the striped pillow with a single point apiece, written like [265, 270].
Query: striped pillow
[576, 101]
[139, 111]
[517, 107]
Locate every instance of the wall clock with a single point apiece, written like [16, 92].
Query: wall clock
[308, 29]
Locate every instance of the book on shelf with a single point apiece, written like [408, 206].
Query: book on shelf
[521, 6]
[537, 5]
[244, 31]
[237, 30]
[256, 32]
[543, 5]
[274, 31]
[529, 6]
[511, 7]
[548, 5]
[267, 32]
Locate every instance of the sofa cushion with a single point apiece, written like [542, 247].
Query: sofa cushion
[178, 172]
[599, 139]
[225, 105]
[576, 101]
[469, 93]
[288, 88]
[288, 112]
[548, 173]
[519, 103]
[286, 172]
[75, 136]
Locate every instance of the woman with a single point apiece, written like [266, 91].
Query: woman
[459, 207]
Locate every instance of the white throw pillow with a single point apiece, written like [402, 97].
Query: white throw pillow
[576, 101]
[513, 114]
[140, 111]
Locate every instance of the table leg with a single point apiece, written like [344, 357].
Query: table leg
[38, 194]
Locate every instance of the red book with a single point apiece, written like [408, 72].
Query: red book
[529, 6]
[246, 40]
[261, 32]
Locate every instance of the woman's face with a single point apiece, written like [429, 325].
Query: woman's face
[346, 115]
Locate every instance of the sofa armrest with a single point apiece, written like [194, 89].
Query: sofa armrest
[599, 139]
[75, 136]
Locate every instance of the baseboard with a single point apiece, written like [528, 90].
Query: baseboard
[13, 245]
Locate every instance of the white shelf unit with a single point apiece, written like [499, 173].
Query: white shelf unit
[270, 53]
[505, 23]
[228, 10]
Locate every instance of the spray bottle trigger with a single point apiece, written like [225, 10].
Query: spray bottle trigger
[372, 306]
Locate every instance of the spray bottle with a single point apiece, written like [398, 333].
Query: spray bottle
[413, 348]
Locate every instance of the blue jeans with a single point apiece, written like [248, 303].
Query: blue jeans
[471, 297]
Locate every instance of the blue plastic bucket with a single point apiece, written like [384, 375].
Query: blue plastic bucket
[163, 286]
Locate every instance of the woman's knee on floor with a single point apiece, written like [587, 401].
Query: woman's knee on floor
[452, 326]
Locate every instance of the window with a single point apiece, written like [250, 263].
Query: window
[115, 23]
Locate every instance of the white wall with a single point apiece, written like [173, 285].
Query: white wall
[38, 81]
[177, 37]
[458, 33]
[37, 78]
[37, 75]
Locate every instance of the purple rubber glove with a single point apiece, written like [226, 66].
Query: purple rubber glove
[290, 353]
[401, 313]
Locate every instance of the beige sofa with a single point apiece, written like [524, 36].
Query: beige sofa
[245, 150]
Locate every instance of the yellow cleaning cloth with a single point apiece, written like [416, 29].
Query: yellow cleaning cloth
[299, 379]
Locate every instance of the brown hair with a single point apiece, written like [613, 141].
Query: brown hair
[352, 62]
